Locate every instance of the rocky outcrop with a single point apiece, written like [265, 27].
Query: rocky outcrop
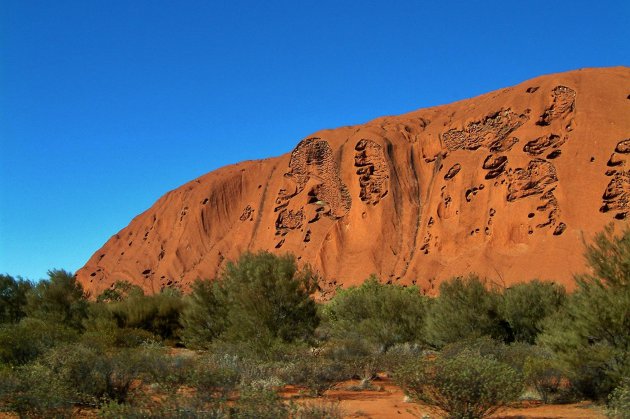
[508, 185]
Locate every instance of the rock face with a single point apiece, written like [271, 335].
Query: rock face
[508, 185]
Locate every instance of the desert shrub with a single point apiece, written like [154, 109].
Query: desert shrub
[524, 307]
[158, 314]
[23, 342]
[102, 330]
[119, 291]
[256, 402]
[466, 385]
[515, 355]
[172, 407]
[214, 379]
[317, 410]
[381, 314]
[181, 386]
[399, 355]
[591, 334]
[316, 373]
[59, 299]
[543, 374]
[465, 309]
[619, 401]
[13, 298]
[34, 391]
[268, 299]
[94, 376]
[204, 316]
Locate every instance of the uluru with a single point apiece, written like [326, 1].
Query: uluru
[508, 185]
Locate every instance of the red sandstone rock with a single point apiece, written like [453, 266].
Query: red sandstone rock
[508, 185]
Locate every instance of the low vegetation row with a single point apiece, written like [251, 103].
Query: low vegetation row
[230, 347]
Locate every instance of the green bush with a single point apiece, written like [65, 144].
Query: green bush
[317, 410]
[466, 385]
[59, 299]
[316, 373]
[268, 299]
[158, 314]
[13, 298]
[259, 403]
[524, 307]
[464, 309]
[34, 391]
[94, 376]
[591, 334]
[382, 315]
[119, 291]
[23, 342]
[204, 316]
[543, 374]
[619, 401]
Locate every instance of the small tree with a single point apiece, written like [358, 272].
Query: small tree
[591, 335]
[60, 299]
[465, 386]
[158, 313]
[204, 315]
[269, 299]
[524, 307]
[383, 315]
[619, 401]
[13, 298]
[465, 309]
[119, 291]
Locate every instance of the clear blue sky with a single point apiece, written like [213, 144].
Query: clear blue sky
[107, 105]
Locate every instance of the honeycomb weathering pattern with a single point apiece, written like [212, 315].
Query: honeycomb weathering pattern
[507, 185]
[492, 131]
[373, 171]
[616, 197]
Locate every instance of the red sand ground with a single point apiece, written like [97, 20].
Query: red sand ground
[508, 184]
[389, 402]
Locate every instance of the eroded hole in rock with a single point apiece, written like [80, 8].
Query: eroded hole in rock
[563, 103]
[146, 272]
[554, 154]
[503, 145]
[559, 229]
[531, 89]
[493, 162]
[531, 215]
[247, 213]
[453, 171]
[616, 196]
[623, 147]
[539, 176]
[592, 159]
[542, 144]
[614, 160]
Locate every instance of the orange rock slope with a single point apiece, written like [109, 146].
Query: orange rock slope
[508, 185]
